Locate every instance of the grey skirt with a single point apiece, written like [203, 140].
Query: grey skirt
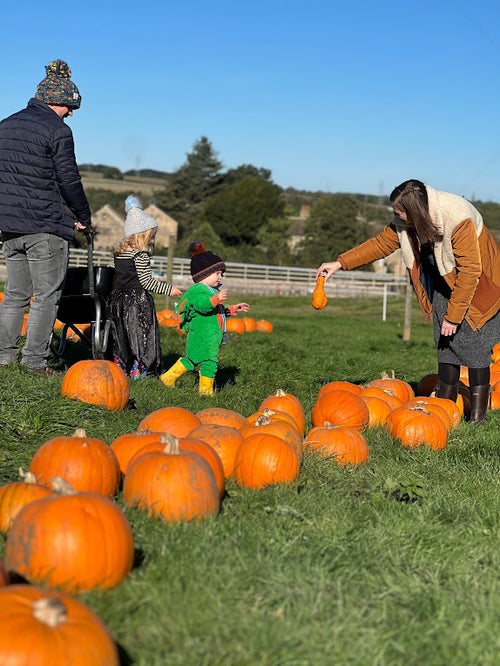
[467, 347]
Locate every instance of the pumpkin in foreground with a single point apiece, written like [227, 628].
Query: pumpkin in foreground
[173, 484]
[97, 382]
[73, 541]
[345, 445]
[16, 495]
[41, 627]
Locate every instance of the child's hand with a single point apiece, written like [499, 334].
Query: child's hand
[242, 307]
[222, 295]
[175, 291]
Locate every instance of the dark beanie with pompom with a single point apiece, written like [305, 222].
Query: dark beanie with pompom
[203, 263]
[57, 87]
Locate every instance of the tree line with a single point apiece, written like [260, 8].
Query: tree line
[242, 215]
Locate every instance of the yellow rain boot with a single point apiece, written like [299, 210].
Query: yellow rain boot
[171, 376]
[206, 385]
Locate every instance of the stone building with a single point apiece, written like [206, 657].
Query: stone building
[108, 225]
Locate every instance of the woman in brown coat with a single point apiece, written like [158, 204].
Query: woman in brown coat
[454, 265]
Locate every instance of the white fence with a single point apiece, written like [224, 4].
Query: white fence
[269, 280]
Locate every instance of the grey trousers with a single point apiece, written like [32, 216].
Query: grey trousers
[36, 266]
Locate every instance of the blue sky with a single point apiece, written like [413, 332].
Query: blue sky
[339, 96]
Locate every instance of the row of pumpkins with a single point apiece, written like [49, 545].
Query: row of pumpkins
[66, 532]
[169, 319]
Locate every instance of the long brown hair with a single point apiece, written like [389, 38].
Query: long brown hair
[411, 197]
[140, 241]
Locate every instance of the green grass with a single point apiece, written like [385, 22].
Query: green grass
[393, 562]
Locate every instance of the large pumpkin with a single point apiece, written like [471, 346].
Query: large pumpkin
[415, 426]
[75, 541]
[40, 627]
[280, 428]
[345, 445]
[378, 410]
[86, 463]
[173, 484]
[341, 408]
[264, 460]
[188, 444]
[97, 382]
[399, 387]
[125, 446]
[177, 421]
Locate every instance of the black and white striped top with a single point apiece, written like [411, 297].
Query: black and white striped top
[134, 266]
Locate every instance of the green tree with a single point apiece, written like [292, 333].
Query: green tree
[334, 226]
[273, 241]
[239, 211]
[188, 187]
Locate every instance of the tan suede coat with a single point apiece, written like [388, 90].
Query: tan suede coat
[474, 281]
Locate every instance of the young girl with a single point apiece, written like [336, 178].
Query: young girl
[131, 309]
[203, 317]
[454, 265]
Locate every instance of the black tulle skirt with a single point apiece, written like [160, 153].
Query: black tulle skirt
[134, 330]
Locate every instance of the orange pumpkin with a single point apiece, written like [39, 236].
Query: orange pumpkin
[235, 325]
[450, 407]
[264, 326]
[384, 394]
[40, 627]
[14, 496]
[175, 420]
[4, 578]
[97, 382]
[264, 460]
[378, 410]
[346, 445]
[339, 385]
[341, 408]
[319, 299]
[125, 446]
[250, 324]
[280, 428]
[73, 541]
[225, 440]
[87, 463]
[286, 402]
[274, 415]
[399, 387]
[173, 484]
[222, 416]
[415, 425]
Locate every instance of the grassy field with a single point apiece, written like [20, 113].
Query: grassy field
[128, 184]
[389, 563]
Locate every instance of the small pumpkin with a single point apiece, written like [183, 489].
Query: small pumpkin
[70, 540]
[125, 446]
[250, 324]
[14, 496]
[339, 385]
[346, 445]
[378, 410]
[278, 427]
[97, 382]
[235, 325]
[341, 408]
[172, 484]
[86, 463]
[263, 460]
[319, 299]
[39, 627]
[282, 401]
[177, 421]
[264, 326]
[415, 426]
[399, 387]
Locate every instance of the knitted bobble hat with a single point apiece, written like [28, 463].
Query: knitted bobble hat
[137, 221]
[203, 263]
[57, 87]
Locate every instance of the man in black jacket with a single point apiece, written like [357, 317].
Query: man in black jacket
[42, 202]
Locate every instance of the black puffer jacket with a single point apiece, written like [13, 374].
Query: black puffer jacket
[40, 186]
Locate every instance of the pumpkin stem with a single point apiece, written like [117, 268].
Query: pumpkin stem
[61, 486]
[80, 432]
[50, 611]
[384, 375]
[280, 393]
[27, 477]
[263, 419]
[171, 443]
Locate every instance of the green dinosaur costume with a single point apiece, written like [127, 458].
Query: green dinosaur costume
[203, 318]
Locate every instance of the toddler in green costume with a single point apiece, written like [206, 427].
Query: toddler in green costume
[203, 317]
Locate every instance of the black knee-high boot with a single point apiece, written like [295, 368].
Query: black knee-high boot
[449, 391]
[479, 400]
